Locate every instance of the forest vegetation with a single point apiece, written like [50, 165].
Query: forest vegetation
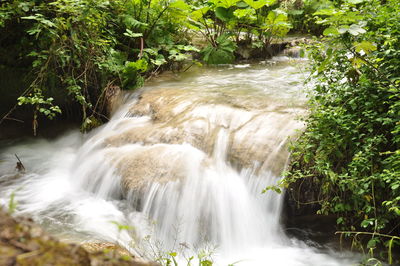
[350, 149]
[74, 51]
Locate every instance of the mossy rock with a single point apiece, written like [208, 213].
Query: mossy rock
[22, 242]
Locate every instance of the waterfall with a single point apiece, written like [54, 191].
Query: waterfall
[183, 163]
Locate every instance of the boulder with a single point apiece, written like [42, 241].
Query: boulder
[167, 127]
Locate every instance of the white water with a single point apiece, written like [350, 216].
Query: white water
[184, 166]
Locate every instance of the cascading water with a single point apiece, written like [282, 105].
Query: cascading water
[183, 164]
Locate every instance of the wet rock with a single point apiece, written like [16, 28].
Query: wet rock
[22, 242]
[113, 98]
[293, 52]
[174, 124]
[158, 163]
[19, 247]
[106, 247]
[111, 250]
[246, 51]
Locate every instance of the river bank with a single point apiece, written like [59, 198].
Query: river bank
[22, 242]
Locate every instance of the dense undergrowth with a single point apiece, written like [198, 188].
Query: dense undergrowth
[75, 52]
[350, 150]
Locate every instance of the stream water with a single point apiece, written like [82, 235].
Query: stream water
[182, 163]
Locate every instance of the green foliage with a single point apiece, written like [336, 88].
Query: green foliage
[73, 48]
[131, 78]
[40, 104]
[203, 258]
[242, 21]
[374, 239]
[90, 123]
[222, 53]
[122, 227]
[351, 145]
[301, 14]
[12, 204]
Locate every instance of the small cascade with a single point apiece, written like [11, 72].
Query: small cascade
[183, 165]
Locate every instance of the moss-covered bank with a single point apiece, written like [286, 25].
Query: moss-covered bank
[22, 242]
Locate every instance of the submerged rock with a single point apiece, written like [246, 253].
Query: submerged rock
[96, 247]
[156, 163]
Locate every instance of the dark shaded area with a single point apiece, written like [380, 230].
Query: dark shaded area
[299, 215]
[245, 51]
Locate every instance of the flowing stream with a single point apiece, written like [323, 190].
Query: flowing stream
[179, 168]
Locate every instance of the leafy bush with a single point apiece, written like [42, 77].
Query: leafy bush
[301, 14]
[75, 48]
[351, 147]
[224, 22]
[222, 53]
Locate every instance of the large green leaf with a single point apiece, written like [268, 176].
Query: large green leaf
[131, 34]
[365, 46]
[225, 43]
[331, 31]
[215, 56]
[199, 13]
[326, 12]
[222, 54]
[224, 14]
[259, 3]
[180, 4]
[225, 3]
[242, 13]
[356, 30]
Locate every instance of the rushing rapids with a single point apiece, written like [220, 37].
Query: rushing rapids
[183, 163]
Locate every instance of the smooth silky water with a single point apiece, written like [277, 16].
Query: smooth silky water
[183, 162]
